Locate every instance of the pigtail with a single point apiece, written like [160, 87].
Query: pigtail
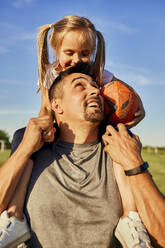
[99, 62]
[43, 54]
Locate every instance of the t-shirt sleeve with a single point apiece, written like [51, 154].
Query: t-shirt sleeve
[17, 137]
[107, 77]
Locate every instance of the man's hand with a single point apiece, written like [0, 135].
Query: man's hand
[122, 148]
[38, 131]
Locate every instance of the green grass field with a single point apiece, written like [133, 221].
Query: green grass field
[157, 168]
[155, 160]
[4, 156]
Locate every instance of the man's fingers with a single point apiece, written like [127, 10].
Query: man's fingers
[137, 139]
[44, 122]
[48, 136]
[106, 149]
[122, 128]
[105, 138]
[110, 130]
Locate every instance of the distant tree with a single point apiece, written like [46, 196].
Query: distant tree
[4, 136]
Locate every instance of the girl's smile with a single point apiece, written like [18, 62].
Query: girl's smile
[74, 48]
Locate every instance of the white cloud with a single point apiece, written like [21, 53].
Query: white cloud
[135, 74]
[11, 82]
[142, 79]
[5, 25]
[122, 27]
[15, 112]
[20, 3]
[24, 36]
[126, 67]
[12, 34]
[16, 32]
[109, 24]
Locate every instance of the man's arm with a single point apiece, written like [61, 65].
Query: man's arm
[10, 173]
[150, 205]
[126, 151]
[38, 131]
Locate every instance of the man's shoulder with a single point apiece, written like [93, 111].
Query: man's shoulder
[17, 137]
[19, 132]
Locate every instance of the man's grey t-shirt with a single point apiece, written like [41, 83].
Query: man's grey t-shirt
[72, 198]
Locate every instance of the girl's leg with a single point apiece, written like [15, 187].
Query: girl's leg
[15, 207]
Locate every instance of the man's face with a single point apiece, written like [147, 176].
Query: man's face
[81, 99]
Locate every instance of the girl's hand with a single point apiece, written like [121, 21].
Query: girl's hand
[139, 115]
[45, 103]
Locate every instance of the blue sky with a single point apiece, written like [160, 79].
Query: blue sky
[134, 32]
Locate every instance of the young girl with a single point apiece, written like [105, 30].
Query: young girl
[73, 39]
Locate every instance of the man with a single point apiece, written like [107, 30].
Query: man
[72, 188]
[74, 173]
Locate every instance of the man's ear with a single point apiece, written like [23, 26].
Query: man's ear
[56, 106]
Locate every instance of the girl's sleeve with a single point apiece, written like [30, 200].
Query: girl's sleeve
[50, 76]
[107, 77]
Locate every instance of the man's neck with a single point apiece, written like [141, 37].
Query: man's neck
[81, 134]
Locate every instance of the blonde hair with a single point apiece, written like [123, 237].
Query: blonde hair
[59, 29]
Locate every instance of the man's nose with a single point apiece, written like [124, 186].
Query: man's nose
[94, 91]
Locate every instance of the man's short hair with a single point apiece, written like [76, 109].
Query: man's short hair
[56, 89]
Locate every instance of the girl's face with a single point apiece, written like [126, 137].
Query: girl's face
[74, 48]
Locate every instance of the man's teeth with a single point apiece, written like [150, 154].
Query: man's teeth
[93, 104]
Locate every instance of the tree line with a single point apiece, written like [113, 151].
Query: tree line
[5, 137]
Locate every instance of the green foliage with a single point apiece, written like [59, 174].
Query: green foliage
[4, 156]
[4, 136]
[154, 149]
